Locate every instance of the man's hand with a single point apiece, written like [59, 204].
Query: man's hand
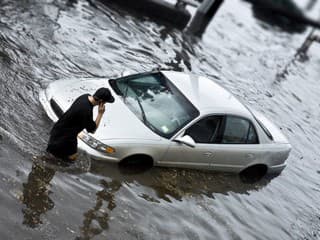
[101, 108]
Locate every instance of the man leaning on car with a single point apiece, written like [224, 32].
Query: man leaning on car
[63, 136]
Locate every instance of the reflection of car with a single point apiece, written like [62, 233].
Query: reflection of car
[173, 119]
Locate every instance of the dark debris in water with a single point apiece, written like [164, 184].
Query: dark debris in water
[296, 97]
[4, 57]
[269, 94]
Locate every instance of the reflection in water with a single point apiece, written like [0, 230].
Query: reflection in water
[166, 184]
[36, 194]
[301, 54]
[179, 183]
[99, 213]
[182, 183]
[311, 4]
[182, 56]
[36, 190]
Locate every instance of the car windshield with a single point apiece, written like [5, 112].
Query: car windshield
[156, 102]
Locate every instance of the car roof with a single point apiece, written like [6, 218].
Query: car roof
[207, 95]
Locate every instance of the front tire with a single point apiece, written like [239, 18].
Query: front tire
[136, 164]
[253, 173]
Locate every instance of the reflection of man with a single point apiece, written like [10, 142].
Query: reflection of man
[96, 219]
[63, 136]
[36, 195]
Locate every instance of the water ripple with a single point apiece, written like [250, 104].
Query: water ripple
[42, 41]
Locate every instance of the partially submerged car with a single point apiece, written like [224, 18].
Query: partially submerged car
[173, 119]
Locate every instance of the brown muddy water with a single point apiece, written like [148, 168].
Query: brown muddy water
[45, 40]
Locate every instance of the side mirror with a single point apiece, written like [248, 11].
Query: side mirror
[187, 140]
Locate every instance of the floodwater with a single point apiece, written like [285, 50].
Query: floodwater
[45, 40]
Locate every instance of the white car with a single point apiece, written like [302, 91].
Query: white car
[173, 119]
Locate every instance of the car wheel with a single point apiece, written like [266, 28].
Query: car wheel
[136, 163]
[253, 173]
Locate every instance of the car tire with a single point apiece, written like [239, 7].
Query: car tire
[253, 173]
[136, 163]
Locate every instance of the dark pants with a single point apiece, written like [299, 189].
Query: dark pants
[62, 147]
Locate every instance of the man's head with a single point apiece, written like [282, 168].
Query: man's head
[103, 95]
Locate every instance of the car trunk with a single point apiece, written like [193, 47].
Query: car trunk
[271, 129]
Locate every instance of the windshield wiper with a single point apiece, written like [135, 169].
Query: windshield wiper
[144, 118]
[126, 92]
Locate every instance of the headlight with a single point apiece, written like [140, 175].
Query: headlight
[96, 144]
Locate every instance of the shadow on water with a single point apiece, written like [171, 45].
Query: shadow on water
[270, 19]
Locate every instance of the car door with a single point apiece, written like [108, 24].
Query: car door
[236, 145]
[221, 143]
[203, 132]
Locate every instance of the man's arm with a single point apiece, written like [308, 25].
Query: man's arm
[100, 114]
[91, 125]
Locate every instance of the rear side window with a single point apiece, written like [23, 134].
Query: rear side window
[238, 131]
[252, 136]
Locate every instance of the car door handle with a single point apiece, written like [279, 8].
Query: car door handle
[208, 154]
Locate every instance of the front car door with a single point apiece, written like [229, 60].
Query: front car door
[223, 142]
[203, 132]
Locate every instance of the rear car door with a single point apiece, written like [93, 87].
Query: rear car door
[236, 145]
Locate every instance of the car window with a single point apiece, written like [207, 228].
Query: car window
[252, 136]
[205, 130]
[238, 131]
[156, 101]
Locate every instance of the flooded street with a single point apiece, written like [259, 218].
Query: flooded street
[46, 40]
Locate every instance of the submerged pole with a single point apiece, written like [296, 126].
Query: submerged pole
[205, 12]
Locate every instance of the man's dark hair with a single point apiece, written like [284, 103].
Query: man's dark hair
[103, 94]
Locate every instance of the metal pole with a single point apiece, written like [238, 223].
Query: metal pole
[306, 45]
[205, 12]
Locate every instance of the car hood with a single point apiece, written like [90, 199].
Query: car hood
[118, 121]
